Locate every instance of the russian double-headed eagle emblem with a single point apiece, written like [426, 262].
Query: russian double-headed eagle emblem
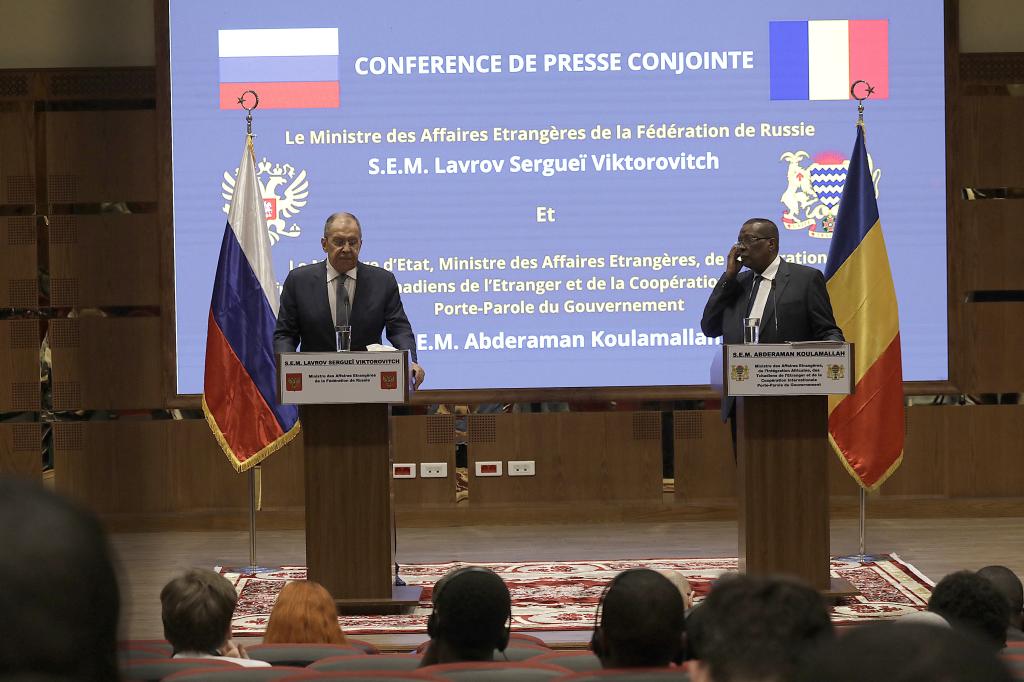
[284, 191]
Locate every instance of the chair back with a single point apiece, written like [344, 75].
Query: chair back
[161, 645]
[484, 671]
[374, 675]
[577, 661]
[300, 655]
[132, 653]
[392, 662]
[521, 637]
[629, 675]
[521, 652]
[156, 669]
[362, 644]
[238, 674]
[1013, 658]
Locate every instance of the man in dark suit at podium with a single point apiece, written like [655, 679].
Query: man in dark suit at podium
[342, 291]
[790, 300]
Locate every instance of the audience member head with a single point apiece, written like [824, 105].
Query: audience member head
[641, 621]
[757, 628]
[903, 652]
[471, 618]
[304, 613]
[1007, 582]
[196, 609]
[970, 601]
[682, 584]
[59, 596]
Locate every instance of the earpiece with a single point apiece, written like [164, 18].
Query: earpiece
[435, 621]
[597, 639]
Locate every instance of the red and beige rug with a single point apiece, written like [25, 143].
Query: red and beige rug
[563, 595]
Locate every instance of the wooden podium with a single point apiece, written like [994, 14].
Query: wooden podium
[782, 450]
[345, 407]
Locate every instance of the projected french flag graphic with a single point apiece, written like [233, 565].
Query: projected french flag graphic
[818, 60]
[289, 68]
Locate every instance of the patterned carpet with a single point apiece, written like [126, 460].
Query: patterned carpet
[563, 595]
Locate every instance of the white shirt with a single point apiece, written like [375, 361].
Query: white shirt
[761, 298]
[244, 662]
[332, 289]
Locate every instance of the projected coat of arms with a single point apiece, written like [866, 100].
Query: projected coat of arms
[813, 191]
[284, 190]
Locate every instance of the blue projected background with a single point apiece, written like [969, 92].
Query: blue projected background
[585, 203]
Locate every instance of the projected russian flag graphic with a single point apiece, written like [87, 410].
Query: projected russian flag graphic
[818, 60]
[289, 68]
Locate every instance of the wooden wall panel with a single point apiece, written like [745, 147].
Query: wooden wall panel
[983, 238]
[424, 438]
[19, 365]
[104, 260]
[925, 451]
[17, 146]
[987, 239]
[163, 468]
[118, 467]
[594, 457]
[985, 452]
[159, 471]
[19, 271]
[283, 482]
[988, 352]
[991, 143]
[705, 467]
[633, 458]
[21, 449]
[106, 363]
[101, 156]
[840, 482]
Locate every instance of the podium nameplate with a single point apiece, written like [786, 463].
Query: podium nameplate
[347, 377]
[775, 369]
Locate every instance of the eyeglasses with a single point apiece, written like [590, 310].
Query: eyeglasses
[749, 241]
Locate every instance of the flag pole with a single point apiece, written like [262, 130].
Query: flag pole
[255, 481]
[252, 518]
[862, 516]
[862, 506]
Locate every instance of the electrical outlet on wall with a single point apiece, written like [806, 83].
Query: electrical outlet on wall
[522, 467]
[433, 470]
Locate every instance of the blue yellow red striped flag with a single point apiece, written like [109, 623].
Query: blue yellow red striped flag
[865, 428]
[239, 393]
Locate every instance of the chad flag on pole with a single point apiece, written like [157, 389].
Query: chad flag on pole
[865, 428]
[239, 395]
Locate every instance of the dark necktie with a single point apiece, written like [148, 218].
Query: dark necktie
[752, 296]
[342, 307]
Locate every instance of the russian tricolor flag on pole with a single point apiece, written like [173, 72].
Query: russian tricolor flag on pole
[239, 394]
[291, 68]
[818, 60]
